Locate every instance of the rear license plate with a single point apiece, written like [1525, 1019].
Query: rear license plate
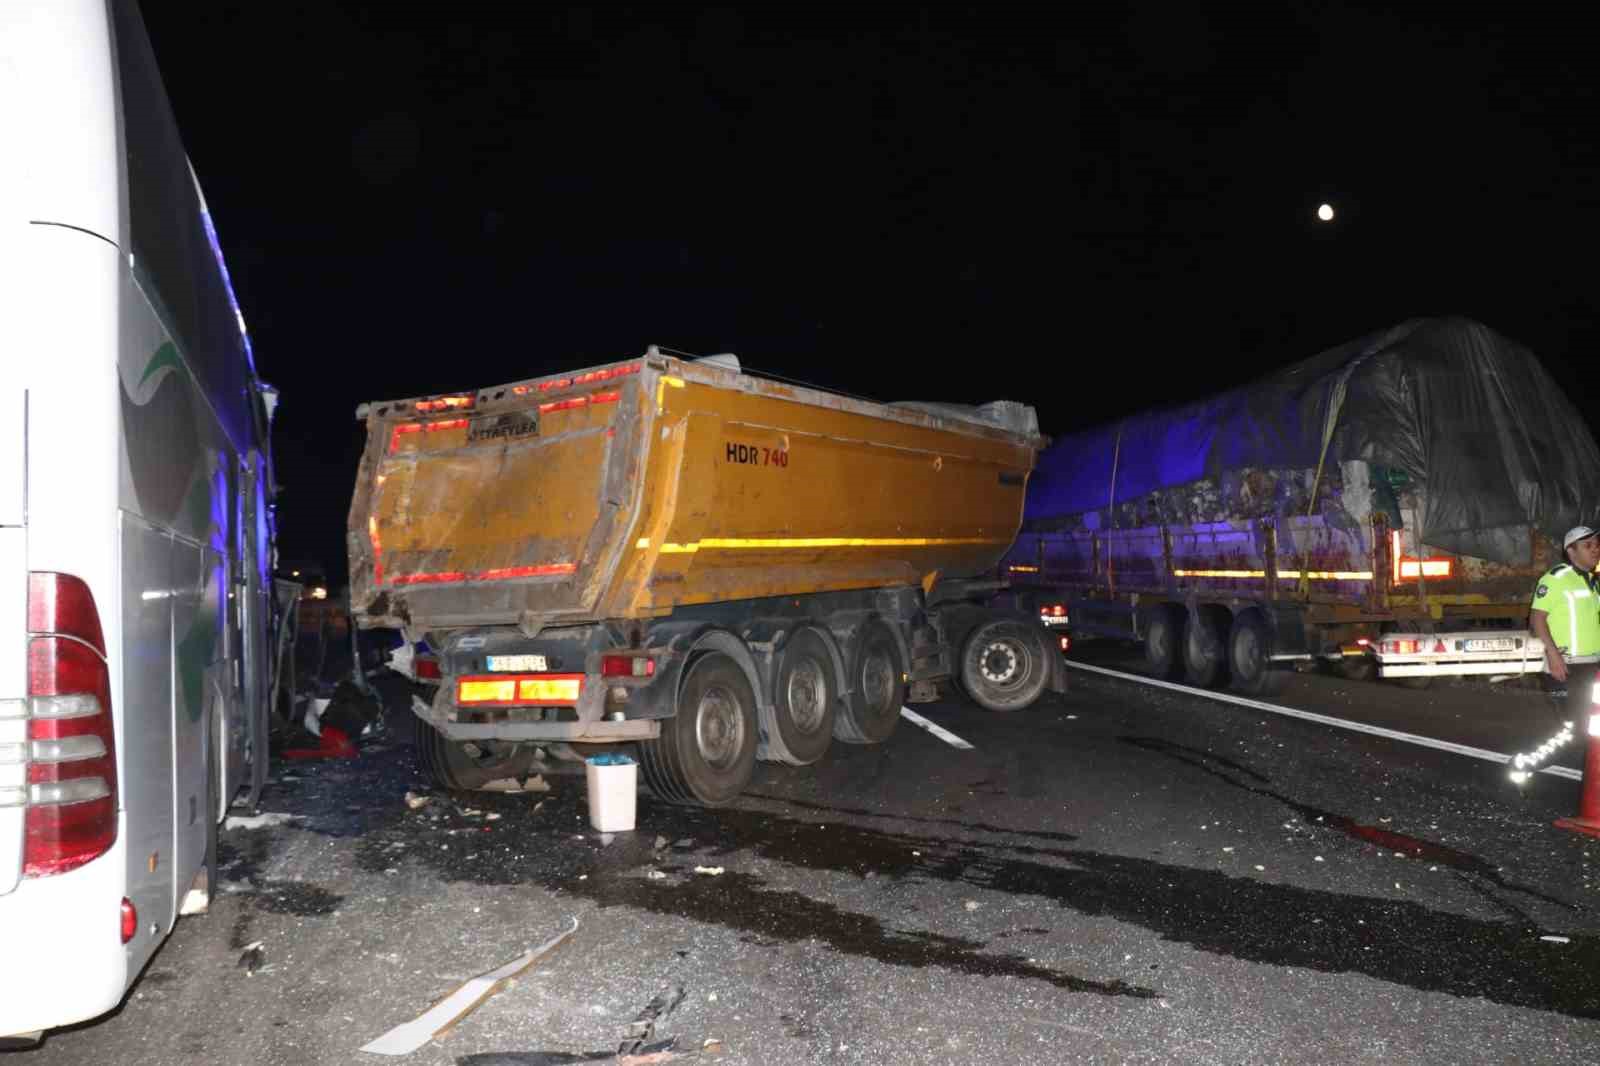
[517, 664]
[1491, 644]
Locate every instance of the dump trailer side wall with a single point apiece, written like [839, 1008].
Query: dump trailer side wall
[663, 484]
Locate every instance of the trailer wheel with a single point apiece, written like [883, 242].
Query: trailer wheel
[1205, 648]
[1250, 656]
[1163, 641]
[1005, 665]
[877, 687]
[707, 750]
[805, 699]
[469, 764]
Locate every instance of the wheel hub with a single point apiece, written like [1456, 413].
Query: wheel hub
[807, 695]
[877, 680]
[719, 727]
[998, 663]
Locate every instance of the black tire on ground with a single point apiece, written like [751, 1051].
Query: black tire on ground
[1357, 667]
[1250, 656]
[1205, 648]
[805, 699]
[877, 687]
[1005, 665]
[707, 750]
[469, 764]
[1163, 642]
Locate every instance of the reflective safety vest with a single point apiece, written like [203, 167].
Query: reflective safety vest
[1571, 601]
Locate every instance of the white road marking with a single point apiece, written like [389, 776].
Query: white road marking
[1323, 719]
[937, 730]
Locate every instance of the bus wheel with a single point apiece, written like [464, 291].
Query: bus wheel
[804, 699]
[1163, 642]
[877, 687]
[469, 764]
[1005, 665]
[1250, 656]
[707, 750]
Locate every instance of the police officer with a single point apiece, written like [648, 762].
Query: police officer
[1566, 617]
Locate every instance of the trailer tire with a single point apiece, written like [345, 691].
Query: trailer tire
[804, 699]
[468, 765]
[1250, 656]
[707, 750]
[1164, 640]
[1005, 665]
[877, 687]
[1205, 648]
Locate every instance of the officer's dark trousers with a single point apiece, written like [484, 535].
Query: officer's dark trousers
[1580, 694]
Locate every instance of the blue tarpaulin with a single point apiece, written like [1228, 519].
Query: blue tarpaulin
[1466, 414]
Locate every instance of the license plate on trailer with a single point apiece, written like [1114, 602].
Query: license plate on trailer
[1491, 644]
[517, 664]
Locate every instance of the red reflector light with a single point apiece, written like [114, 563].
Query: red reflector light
[428, 668]
[1066, 643]
[1439, 648]
[1363, 641]
[130, 920]
[627, 666]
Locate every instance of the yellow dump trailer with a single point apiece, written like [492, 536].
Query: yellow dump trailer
[705, 563]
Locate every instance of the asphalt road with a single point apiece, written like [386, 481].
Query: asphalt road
[1116, 876]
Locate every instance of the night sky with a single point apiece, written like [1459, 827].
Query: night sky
[1094, 211]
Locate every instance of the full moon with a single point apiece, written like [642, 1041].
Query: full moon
[1325, 212]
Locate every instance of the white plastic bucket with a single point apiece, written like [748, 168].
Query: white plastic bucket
[613, 795]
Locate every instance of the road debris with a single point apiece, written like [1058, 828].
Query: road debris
[252, 958]
[417, 801]
[260, 821]
[712, 871]
[1556, 939]
[656, 875]
[443, 1016]
[973, 904]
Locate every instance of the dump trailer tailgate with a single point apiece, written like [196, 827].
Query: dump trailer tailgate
[500, 503]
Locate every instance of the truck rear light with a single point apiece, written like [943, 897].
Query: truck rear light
[627, 666]
[71, 799]
[130, 920]
[519, 690]
[1401, 647]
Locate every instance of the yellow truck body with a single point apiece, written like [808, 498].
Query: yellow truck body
[699, 565]
[629, 490]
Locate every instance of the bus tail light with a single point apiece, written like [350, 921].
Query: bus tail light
[71, 795]
[130, 920]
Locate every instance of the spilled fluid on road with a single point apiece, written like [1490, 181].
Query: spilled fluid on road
[1398, 941]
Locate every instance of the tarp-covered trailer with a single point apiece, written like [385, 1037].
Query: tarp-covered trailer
[1397, 495]
[703, 563]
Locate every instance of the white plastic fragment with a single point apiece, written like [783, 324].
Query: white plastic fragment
[713, 871]
[261, 821]
[1556, 939]
[973, 904]
[406, 1038]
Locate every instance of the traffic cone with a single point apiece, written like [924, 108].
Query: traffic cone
[1588, 819]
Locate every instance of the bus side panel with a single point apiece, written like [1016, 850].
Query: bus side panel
[192, 639]
[147, 581]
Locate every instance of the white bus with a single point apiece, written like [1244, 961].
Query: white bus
[136, 546]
